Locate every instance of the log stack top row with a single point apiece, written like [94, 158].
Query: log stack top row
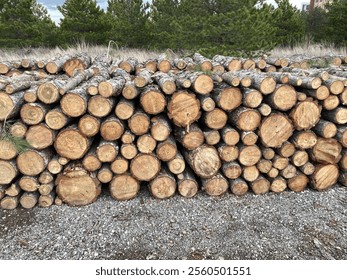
[174, 124]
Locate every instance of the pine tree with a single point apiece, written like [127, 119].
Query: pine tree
[129, 21]
[25, 23]
[337, 22]
[83, 20]
[316, 25]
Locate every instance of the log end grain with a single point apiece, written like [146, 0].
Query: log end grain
[124, 187]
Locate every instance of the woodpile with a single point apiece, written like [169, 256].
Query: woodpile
[179, 125]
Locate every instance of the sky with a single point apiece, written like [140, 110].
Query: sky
[51, 6]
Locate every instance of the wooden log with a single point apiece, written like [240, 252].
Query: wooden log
[204, 63]
[325, 176]
[230, 63]
[146, 144]
[18, 129]
[139, 123]
[231, 79]
[91, 161]
[5, 67]
[56, 119]
[245, 119]
[280, 78]
[230, 135]
[120, 165]
[249, 138]
[124, 187]
[327, 151]
[111, 87]
[75, 102]
[341, 135]
[145, 167]
[163, 185]
[216, 185]
[298, 183]
[300, 158]
[13, 189]
[273, 173]
[130, 91]
[283, 98]
[288, 172]
[212, 136]
[30, 95]
[279, 162]
[47, 200]
[129, 65]
[32, 162]
[264, 165]
[80, 61]
[190, 139]
[9, 202]
[143, 78]
[206, 103]
[112, 128]
[99, 106]
[226, 97]
[336, 86]
[204, 161]
[164, 64]
[320, 93]
[28, 200]
[337, 116]
[250, 173]
[278, 185]
[249, 155]
[260, 186]
[55, 65]
[46, 189]
[18, 86]
[325, 129]
[151, 65]
[263, 83]
[93, 84]
[343, 97]
[228, 153]
[54, 165]
[40, 136]
[231, 170]
[33, 113]
[2, 191]
[152, 100]
[308, 168]
[71, 143]
[160, 127]
[251, 98]
[8, 150]
[183, 108]
[124, 109]
[201, 83]
[238, 187]
[275, 130]
[48, 92]
[304, 139]
[78, 77]
[128, 151]
[77, 187]
[265, 110]
[187, 185]
[179, 63]
[167, 149]
[311, 82]
[128, 137]
[177, 165]
[10, 105]
[166, 83]
[105, 174]
[29, 183]
[305, 115]
[58, 201]
[89, 126]
[331, 103]
[107, 151]
[268, 153]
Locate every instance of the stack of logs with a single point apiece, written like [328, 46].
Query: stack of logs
[174, 125]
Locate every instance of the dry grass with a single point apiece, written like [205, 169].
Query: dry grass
[307, 49]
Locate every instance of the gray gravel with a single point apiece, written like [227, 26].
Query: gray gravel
[307, 225]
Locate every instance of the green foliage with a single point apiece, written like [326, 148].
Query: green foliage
[20, 144]
[337, 22]
[83, 20]
[25, 23]
[316, 24]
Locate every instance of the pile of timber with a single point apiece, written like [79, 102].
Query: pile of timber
[174, 125]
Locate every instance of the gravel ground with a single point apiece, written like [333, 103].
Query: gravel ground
[307, 225]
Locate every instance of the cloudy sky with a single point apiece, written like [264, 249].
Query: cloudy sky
[51, 6]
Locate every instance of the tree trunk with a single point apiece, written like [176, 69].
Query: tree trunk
[167, 149]
[29, 183]
[11, 105]
[300, 158]
[260, 185]
[228, 153]
[120, 165]
[187, 184]
[231, 170]
[238, 187]
[249, 155]
[56, 119]
[177, 165]
[28, 200]
[278, 185]
[124, 187]
[79, 77]
[305, 115]
[81, 61]
[128, 151]
[327, 151]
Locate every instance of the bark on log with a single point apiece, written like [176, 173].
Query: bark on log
[325, 129]
[166, 83]
[112, 87]
[304, 139]
[76, 80]
[341, 135]
[204, 63]
[207, 103]
[143, 78]
[337, 116]
[56, 65]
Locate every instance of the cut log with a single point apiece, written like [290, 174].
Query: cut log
[288, 172]
[8, 150]
[128, 151]
[56, 119]
[337, 116]
[249, 155]
[230, 135]
[230, 63]
[204, 63]
[160, 127]
[164, 64]
[32, 162]
[163, 185]
[143, 78]
[327, 151]
[238, 187]
[228, 153]
[120, 165]
[251, 98]
[308, 168]
[265, 110]
[29, 183]
[112, 87]
[30, 95]
[341, 135]
[146, 144]
[231, 79]
[215, 119]
[280, 162]
[93, 84]
[325, 176]
[167, 149]
[249, 138]
[177, 165]
[77, 187]
[47, 200]
[320, 93]
[264, 165]
[111, 128]
[260, 185]
[28, 200]
[139, 123]
[298, 183]
[124, 187]
[76, 80]
[212, 136]
[88, 125]
[263, 83]
[216, 185]
[250, 173]
[54, 166]
[46, 177]
[273, 173]
[105, 174]
[166, 83]
[201, 83]
[325, 129]
[18, 86]
[80, 61]
[128, 137]
[5, 67]
[305, 115]
[283, 98]
[18, 129]
[231, 170]
[304, 139]
[152, 100]
[124, 109]
[192, 139]
[300, 158]
[107, 151]
[207, 103]
[129, 65]
[90, 161]
[226, 97]
[245, 119]
[335, 86]
[99, 106]
[187, 184]
[130, 91]
[75, 102]
[48, 92]
[10, 105]
[278, 185]
[46, 189]
[183, 108]
[145, 167]
[40, 136]
[204, 161]
[275, 130]
[9, 202]
[2, 191]
[55, 65]
[71, 143]
[13, 189]
[268, 153]
[343, 97]
[331, 103]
